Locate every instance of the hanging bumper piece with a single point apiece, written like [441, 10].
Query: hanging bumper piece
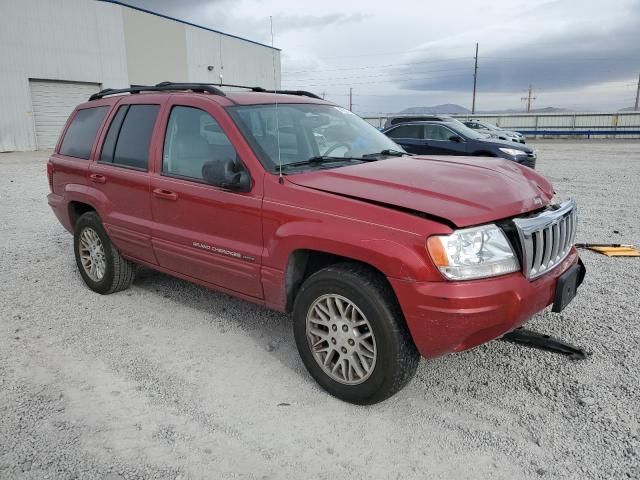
[545, 342]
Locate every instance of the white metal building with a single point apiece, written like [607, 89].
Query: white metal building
[54, 54]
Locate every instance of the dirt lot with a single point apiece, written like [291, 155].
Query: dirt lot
[170, 380]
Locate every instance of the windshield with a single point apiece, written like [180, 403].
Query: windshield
[466, 131]
[489, 126]
[308, 130]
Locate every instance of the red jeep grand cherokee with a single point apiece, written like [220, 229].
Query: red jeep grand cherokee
[301, 206]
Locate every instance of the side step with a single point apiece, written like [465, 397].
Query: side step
[545, 342]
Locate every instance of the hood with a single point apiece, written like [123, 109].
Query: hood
[496, 142]
[462, 191]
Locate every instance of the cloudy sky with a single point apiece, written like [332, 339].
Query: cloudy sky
[577, 54]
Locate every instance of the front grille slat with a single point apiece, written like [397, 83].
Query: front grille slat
[556, 244]
[548, 242]
[563, 234]
[546, 238]
[539, 249]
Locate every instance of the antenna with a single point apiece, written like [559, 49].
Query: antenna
[275, 95]
[220, 55]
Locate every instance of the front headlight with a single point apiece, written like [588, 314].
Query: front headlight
[512, 151]
[472, 253]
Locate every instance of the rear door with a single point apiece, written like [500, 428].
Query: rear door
[202, 231]
[410, 137]
[121, 175]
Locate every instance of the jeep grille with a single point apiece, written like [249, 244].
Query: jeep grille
[546, 238]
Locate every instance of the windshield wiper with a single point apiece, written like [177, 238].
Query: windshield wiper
[388, 152]
[322, 159]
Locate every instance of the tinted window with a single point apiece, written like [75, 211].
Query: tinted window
[109, 144]
[132, 144]
[82, 132]
[193, 138]
[407, 131]
[437, 132]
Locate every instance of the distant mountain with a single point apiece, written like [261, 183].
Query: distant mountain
[446, 108]
[533, 110]
[628, 109]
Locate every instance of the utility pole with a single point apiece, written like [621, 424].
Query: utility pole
[323, 95]
[528, 99]
[350, 99]
[475, 79]
[637, 93]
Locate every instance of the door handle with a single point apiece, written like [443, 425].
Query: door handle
[97, 178]
[165, 194]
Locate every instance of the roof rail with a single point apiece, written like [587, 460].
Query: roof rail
[160, 87]
[196, 87]
[253, 89]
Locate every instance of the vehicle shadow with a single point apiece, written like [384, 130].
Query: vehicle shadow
[271, 331]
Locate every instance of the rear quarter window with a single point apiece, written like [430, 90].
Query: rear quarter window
[81, 134]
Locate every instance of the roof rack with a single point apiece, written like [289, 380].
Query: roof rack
[196, 87]
[160, 87]
[303, 93]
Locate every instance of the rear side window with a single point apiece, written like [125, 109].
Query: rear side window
[82, 132]
[406, 131]
[129, 135]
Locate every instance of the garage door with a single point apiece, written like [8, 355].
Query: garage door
[52, 103]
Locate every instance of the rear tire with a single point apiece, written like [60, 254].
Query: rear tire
[351, 334]
[100, 265]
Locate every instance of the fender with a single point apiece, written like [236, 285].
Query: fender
[74, 192]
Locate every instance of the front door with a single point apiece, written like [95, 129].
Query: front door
[201, 231]
[438, 141]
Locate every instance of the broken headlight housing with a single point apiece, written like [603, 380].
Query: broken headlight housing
[473, 253]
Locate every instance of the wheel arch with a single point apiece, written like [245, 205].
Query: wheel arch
[304, 262]
[76, 209]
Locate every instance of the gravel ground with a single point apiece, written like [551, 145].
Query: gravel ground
[170, 380]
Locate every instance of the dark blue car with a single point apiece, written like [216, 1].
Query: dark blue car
[451, 137]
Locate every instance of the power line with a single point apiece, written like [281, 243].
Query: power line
[306, 79]
[396, 80]
[475, 79]
[458, 59]
[528, 98]
[364, 67]
[637, 94]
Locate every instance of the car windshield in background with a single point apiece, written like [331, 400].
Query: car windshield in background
[466, 131]
[309, 131]
[488, 126]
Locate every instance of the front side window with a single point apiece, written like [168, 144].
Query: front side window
[193, 139]
[305, 130]
[407, 131]
[82, 132]
[129, 136]
[437, 132]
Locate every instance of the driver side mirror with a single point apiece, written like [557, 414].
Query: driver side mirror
[226, 173]
[455, 138]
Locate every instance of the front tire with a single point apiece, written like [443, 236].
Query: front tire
[351, 334]
[100, 265]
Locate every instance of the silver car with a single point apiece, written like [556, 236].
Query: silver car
[494, 131]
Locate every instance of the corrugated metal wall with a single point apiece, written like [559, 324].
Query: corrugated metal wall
[240, 63]
[114, 46]
[72, 40]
